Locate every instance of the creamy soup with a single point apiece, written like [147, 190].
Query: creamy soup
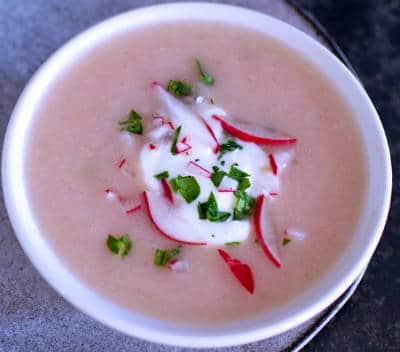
[196, 172]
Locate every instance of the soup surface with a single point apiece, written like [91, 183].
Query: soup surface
[77, 147]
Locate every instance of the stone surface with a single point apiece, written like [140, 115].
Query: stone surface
[368, 31]
[33, 317]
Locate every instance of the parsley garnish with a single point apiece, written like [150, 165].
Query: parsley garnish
[206, 78]
[217, 176]
[243, 206]
[175, 140]
[120, 246]
[133, 123]
[235, 243]
[286, 241]
[187, 186]
[236, 173]
[244, 183]
[161, 175]
[209, 210]
[180, 88]
[229, 146]
[163, 256]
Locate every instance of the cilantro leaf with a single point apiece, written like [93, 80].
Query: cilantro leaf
[235, 243]
[209, 210]
[236, 173]
[187, 186]
[217, 176]
[119, 246]
[133, 123]
[243, 206]
[179, 88]
[205, 77]
[286, 241]
[161, 175]
[163, 256]
[175, 140]
[244, 183]
[229, 146]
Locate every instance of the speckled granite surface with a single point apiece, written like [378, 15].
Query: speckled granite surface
[368, 31]
[34, 318]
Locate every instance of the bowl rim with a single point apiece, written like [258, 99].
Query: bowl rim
[58, 275]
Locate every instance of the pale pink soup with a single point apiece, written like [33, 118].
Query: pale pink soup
[76, 145]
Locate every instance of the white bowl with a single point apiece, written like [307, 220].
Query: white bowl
[307, 304]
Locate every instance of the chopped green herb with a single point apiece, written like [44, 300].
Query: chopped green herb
[163, 256]
[120, 246]
[286, 241]
[161, 175]
[175, 140]
[180, 88]
[243, 206]
[217, 176]
[237, 174]
[235, 243]
[187, 186]
[133, 123]
[205, 77]
[244, 183]
[229, 146]
[222, 162]
[209, 210]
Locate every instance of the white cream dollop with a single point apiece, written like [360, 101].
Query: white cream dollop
[250, 158]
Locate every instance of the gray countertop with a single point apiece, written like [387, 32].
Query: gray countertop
[33, 317]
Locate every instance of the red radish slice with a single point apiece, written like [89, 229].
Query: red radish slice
[162, 214]
[152, 146]
[178, 265]
[167, 190]
[134, 209]
[241, 271]
[282, 158]
[274, 166]
[209, 129]
[265, 231]
[182, 148]
[121, 163]
[159, 118]
[252, 133]
[226, 190]
[171, 125]
[197, 169]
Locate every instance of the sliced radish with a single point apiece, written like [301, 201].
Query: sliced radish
[226, 190]
[134, 209]
[254, 133]
[265, 230]
[178, 265]
[165, 219]
[209, 129]
[182, 147]
[274, 166]
[121, 163]
[171, 125]
[282, 158]
[241, 271]
[152, 146]
[159, 118]
[167, 190]
[196, 169]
